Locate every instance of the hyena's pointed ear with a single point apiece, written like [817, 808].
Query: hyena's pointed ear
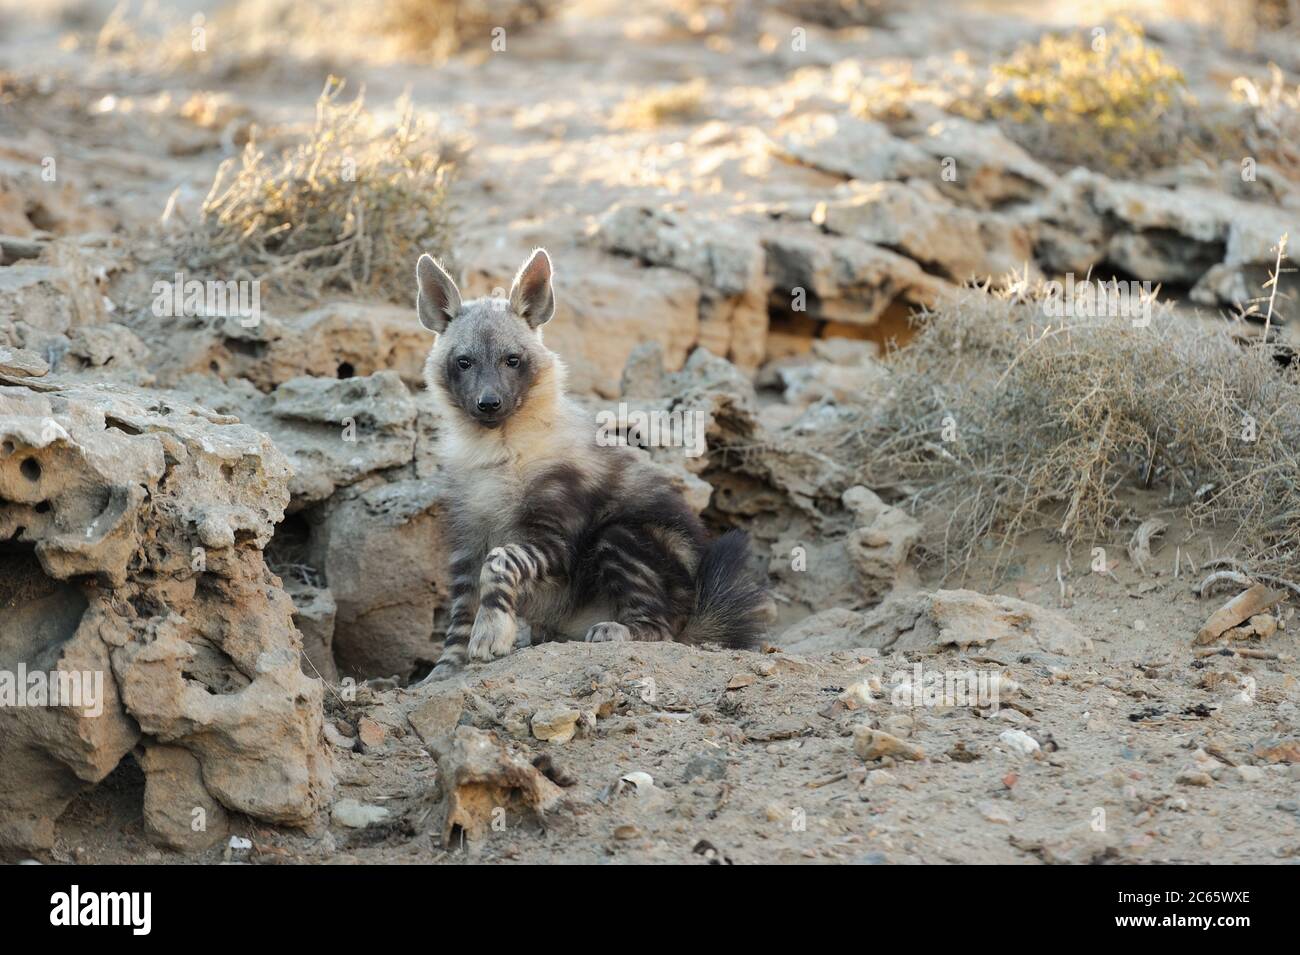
[438, 300]
[531, 296]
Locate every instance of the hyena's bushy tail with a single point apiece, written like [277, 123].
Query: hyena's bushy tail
[731, 606]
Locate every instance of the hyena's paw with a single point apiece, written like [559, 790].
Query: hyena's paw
[607, 632]
[493, 634]
[444, 670]
[524, 638]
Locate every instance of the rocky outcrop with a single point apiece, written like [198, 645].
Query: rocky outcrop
[973, 163]
[723, 258]
[363, 556]
[843, 279]
[946, 239]
[334, 432]
[34, 199]
[963, 618]
[849, 147]
[134, 526]
[380, 549]
[338, 340]
[1219, 245]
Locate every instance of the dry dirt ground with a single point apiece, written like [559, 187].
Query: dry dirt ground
[1149, 755]
[1145, 752]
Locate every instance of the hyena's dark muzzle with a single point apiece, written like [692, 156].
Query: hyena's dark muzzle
[488, 391]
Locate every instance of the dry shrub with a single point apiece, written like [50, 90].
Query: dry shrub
[144, 36]
[1051, 421]
[1268, 121]
[440, 28]
[672, 104]
[351, 207]
[1111, 102]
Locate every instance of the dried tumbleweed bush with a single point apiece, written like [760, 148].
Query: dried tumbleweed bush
[350, 207]
[999, 420]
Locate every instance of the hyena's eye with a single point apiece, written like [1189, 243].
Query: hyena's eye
[513, 361]
[464, 362]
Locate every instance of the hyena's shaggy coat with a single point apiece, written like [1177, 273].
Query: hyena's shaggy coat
[546, 526]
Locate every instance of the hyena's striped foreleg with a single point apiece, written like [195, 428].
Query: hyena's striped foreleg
[638, 591]
[506, 575]
[464, 606]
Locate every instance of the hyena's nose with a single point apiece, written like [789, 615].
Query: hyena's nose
[488, 402]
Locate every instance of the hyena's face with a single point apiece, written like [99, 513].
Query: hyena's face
[489, 352]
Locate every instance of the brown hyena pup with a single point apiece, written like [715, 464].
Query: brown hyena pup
[552, 535]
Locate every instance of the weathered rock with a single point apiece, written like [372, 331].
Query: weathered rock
[987, 170]
[1222, 245]
[14, 249]
[108, 347]
[862, 562]
[880, 542]
[436, 719]
[725, 260]
[21, 363]
[479, 776]
[832, 629]
[49, 754]
[853, 148]
[179, 812]
[871, 743]
[839, 371]
[357, 815]
[963, 618]
[368, 520]
[30, 203]
[314, 612]
[371, 733]
[555, 724]
[956, 242]
[139, 523]
[43, 303]
[1239, 609]
[844, 279]
[1019, 742]
[336, 431]
[381, 552]
[1081, 844]
[339, 340]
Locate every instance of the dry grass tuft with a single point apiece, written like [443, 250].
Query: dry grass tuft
[351, 207]
[439, 28]
[674, 104]
[1051, 421]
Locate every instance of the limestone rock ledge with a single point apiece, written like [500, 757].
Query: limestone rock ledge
[131, 535]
